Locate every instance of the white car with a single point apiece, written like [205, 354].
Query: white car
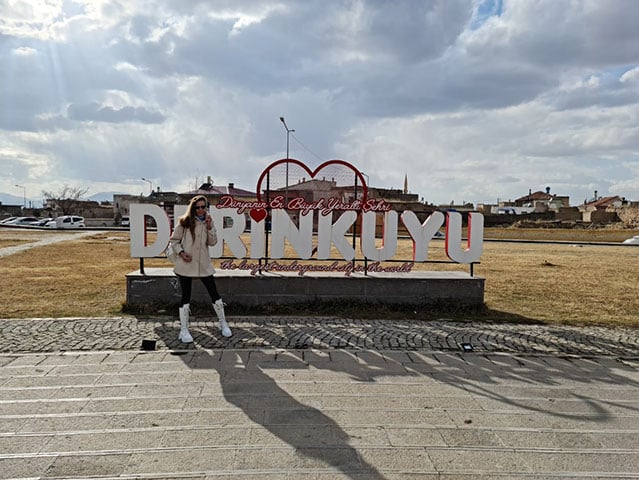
[66, 221]
[632, 240]
[125, 222]
[21, 221]
[42, 222]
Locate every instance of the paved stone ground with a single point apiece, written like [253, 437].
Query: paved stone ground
[317, 414]
[320, 398]
[127, 333]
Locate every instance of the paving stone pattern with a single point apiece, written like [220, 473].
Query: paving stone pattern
[323, 414]
[127, 333]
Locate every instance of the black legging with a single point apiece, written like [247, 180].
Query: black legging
[185, 286]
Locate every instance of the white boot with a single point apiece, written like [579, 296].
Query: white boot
[185, 336]
[218, 306]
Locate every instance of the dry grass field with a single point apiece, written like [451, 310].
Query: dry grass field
[551, 283]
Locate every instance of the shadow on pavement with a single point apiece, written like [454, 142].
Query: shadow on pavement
[318, 436]
[309, 431]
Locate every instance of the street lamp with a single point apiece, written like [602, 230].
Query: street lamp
[288, 132]
[24, 194]
[367, 179]
[150, 185]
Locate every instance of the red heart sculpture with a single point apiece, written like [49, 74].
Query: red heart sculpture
[258, 214]
[296, 170]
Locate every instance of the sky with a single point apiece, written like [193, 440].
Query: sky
[472, 100]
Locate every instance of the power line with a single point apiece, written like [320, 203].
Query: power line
[306, 148]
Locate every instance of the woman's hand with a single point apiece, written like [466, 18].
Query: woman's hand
[209, 222]
[186, 257]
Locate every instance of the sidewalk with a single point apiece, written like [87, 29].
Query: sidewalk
[127, 333]
[46, 238]
[290, 398]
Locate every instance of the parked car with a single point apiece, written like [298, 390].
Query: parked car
[42, 222]
[66, 221]
[632, 240]
[7, 220]
[22, 221]
[125, 222]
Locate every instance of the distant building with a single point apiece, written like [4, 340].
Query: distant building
[214, 192]
[121, 203]
[603, 203]
[7, 211]
[602, 209]
[541, 202]
[94, 213]
[457, 207]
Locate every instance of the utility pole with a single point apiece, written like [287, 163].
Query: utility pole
[288, 132]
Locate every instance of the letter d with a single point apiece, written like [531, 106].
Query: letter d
[139, 248]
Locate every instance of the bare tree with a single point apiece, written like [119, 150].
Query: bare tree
[66, 200]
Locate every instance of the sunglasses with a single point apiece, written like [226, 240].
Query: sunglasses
[200, 207]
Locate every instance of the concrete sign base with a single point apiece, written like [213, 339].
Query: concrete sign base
[159, 286]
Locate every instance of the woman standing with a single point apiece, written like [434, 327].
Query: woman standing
[193, 235]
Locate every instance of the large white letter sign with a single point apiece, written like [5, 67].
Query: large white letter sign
[329, 232]
[389, 236]
[139, 248]
[258, 239]
[422, 233]
[178, 211]
[300, 239]
[475, 236]
[321, 224]
[231, 234]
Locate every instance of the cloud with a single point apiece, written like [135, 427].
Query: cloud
[474, 100]
[94, 112]
[631, 76]
[24, 51]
